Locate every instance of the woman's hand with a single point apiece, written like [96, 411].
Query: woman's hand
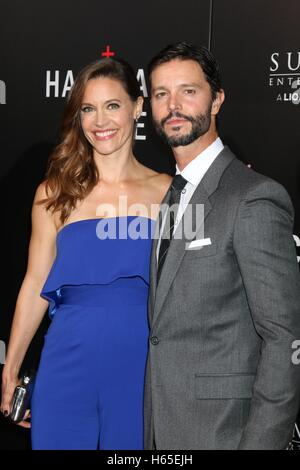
[24, 423]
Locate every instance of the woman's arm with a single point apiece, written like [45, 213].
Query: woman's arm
[30, 307]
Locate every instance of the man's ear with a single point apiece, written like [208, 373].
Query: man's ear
[217, 103]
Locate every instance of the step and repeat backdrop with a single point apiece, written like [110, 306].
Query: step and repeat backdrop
[45, 44]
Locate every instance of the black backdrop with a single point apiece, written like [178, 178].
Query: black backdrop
[45, 44]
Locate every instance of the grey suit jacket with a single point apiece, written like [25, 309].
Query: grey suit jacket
[223, 319]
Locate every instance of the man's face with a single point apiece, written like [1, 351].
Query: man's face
[181, 101]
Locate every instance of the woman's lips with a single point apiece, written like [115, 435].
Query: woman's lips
[105, 135]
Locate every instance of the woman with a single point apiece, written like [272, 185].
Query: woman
[87, 260]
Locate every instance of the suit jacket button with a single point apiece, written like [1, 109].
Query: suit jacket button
[154, 340]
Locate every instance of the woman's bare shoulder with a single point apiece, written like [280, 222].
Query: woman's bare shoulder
[42, 191]
[161, 180]
[40, 215]
[156, 180]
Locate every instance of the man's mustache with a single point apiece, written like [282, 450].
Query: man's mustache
[175, 115]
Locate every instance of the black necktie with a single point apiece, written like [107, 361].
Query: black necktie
[177, 186]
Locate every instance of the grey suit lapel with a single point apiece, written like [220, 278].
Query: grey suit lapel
[176, 252]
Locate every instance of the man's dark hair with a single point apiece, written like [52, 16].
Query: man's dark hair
[185, 51]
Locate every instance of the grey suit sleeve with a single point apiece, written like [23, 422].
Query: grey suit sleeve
[266, 256]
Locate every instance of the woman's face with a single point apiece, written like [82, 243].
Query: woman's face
[107, 115]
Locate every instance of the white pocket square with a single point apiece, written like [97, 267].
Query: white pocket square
[198, 243]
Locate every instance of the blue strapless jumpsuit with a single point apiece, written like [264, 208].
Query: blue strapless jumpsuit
[88, 392]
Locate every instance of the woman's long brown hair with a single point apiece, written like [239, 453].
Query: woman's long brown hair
[71, 171]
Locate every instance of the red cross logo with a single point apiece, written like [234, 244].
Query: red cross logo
[108, 52]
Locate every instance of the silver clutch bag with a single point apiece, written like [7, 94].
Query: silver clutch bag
[22, 396]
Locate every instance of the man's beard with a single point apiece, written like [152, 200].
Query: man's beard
[200, 125]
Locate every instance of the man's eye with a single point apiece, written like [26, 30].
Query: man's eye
[86, 109]
[190, 91]
[161, 94]
[113, 106]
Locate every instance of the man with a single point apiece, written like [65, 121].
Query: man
[224, 308]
